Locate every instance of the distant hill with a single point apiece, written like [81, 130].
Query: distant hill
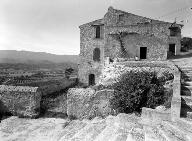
[13, 56]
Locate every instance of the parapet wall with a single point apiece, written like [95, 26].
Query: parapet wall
[111, 71]
[22, 101]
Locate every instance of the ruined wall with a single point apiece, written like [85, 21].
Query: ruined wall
[88, 43]
[23, 101]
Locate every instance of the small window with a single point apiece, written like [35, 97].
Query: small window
[96, 54]
[121, 17]
[174, 31]
[98, 32]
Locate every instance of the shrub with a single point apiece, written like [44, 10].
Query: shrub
[134, 90]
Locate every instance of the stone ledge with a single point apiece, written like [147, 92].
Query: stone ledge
[154, 116]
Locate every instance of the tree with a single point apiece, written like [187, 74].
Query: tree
[135, 90]
[186, 43]
[68, 72]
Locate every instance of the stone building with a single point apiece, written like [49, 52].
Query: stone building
[121, 35]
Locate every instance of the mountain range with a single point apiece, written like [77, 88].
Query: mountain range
[13, 56]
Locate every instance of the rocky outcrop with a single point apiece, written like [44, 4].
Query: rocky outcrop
[87, 103]
[22, 101]
[123, 127]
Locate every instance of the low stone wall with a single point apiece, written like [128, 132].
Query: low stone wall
[112, 71]
[154, 116]
[22, 101]
[87, 103]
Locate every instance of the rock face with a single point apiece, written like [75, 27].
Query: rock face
[123, 127]
[86, 103]
[20, 100]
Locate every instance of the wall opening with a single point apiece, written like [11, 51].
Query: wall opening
[96, 54]
[91, 79]
[174, 31]
[143, 52]
[98, 31]
[172, 50]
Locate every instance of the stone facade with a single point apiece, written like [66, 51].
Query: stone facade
[118, 32]
[22, 101]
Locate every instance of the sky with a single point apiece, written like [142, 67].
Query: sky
[52, 26]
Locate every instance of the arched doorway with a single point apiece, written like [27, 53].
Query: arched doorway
[91, 79]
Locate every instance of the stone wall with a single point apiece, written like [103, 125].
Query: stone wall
[87, 103]
[111, 72]
[22, 101]
[154, 116]
[88, 43]
[142, 32]
[156, 33]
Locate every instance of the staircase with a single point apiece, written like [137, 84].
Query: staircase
[185, 66]
[123, 127]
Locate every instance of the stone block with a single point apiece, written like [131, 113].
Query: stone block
[154, 116]
[86, 103]
[20, 100]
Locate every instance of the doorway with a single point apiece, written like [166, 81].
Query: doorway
[91, 79]
[172, 49]
[143, 52]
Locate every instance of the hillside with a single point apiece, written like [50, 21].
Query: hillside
[13, 56]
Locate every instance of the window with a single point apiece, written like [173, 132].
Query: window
[121, 17]
[174, 31]
[96, 54]
[98, 32]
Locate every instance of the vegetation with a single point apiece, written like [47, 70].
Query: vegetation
[186, 43]
[135, 90]
[68, 72]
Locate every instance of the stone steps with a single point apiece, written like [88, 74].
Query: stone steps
[167, 134]
[183, 135]
[152, 134]
[184, 124]
[122, 127]
[70, 130]
[89, 132]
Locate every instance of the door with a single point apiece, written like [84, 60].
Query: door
[143, 52]
[91, 79]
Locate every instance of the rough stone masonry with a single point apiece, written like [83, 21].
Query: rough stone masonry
[22, 101]
[121, 32]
